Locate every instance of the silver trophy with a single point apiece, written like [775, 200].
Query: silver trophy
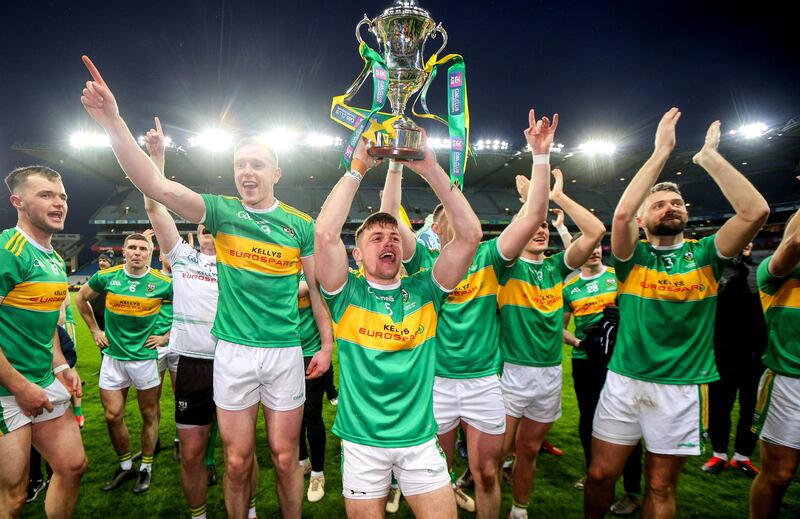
[401, 31]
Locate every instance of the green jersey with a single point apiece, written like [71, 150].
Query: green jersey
[309, 333]
[532, 311]
[667, 305]
[33, 284]
[586, 298]
[68, 317]
[164, 321]
[258, 260]
[468, 325]
[132, 307]
[387, 355]
[780, 299]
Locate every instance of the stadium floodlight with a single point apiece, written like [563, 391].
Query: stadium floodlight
[320, 140]
[556, 148]
[168, 143]
[597, 147]
[213, 139]
[281, 139]
[753, 130]
[439, 143]
[89, 140]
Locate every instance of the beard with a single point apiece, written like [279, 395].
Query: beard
[667, 228]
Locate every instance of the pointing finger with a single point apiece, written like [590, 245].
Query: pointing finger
[93, 70]
[158, 126]
[532, 118]
[555, 123]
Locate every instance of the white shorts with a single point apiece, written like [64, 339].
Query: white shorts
[167, 360]
[245, 375]
[12, 417]
[367, 471]
[119, 374]
[670, 417]
[477, 401]
[777, 418]
[532, 392]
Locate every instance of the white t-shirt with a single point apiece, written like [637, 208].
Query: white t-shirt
[195, 293]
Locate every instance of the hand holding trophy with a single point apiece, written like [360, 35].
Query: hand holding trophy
[399, 71]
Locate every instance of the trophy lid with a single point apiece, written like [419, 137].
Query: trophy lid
[405, 7]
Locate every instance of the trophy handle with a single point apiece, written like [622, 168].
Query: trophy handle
[364, 21]
[441, 31]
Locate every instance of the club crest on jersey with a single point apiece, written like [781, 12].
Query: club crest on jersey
[688, 256]
[151, 287]
[288, 230]
[405, 295]
[183, 405]
[611, 282]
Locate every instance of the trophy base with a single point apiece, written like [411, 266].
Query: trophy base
[390, 152]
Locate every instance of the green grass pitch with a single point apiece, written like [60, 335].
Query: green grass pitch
[699, 495]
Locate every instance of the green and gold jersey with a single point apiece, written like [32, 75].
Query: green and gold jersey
[33, 284]
[667, 303]
[132, 307]
[532, 311]
[780, 299]
[387, 353]
[309, 333]
[585, 298]
[68, 317]
[164, 321]
[468, 325]
[258, 260]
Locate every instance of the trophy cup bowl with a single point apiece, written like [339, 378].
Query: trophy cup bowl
[401, 31]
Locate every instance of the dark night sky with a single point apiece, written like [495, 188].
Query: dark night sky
[607, 69]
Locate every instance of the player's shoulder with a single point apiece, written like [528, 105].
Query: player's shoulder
[572, 281]
[13, 242]
[293, 213]
[160, 275]
[110, 271]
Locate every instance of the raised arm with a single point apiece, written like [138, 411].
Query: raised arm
[329, 250]
[390, 203]
[561, 229]
[787, 255]
[456, 256]
[101, 105]
[321, 360]
[163, 224]
[539, 136]
[624, 229]
[750, 207]
[86, 294]
[592, 229]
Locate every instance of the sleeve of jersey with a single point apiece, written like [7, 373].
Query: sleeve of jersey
[438, 293]
[561, 264]
[623, 268]
[307, 239]
[10, 275]
[498, 261]
[210, 220]
[177, 252]
[713, 257]
[97, 282]
[414, 264]
[768, 283]
[340, 299]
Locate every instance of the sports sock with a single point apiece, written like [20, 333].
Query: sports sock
[519, 511]
[77, 410]
[125, 462]
[212, 444]
[507, 463]
[251, 514]
[198, 512]
[721, 455]
[147, 463]
[315, 474]
[740, 457]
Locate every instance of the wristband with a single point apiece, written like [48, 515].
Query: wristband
[541, 160]
[61, 367]
[563, 232]
[355, 175]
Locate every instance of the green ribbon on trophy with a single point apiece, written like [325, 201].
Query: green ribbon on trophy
[457, 112]
[398, 73]
[359, 120]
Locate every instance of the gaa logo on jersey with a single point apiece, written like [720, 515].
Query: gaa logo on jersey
[288, 230]
[115, 283]
[151, 287]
